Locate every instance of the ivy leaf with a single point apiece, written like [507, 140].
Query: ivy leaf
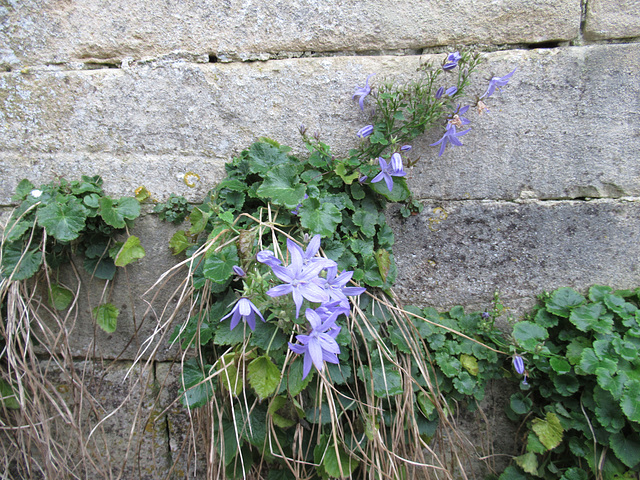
[320, 218]
[626, 447]
[60, 297]
[282, 185]
[106, 316]
[529, 335]
[131, 250]
[63, 221]
[563, 300]
[549, 431]
[263, 376]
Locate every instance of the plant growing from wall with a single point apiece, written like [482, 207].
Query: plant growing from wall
[580, 403]
[288, 347]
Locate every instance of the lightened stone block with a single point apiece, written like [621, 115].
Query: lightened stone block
[461, 253]
[612, 19]
[48, 31]
[564, 127]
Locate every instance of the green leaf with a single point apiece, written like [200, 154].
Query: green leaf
[320, 218]
[587, 317]
[116, 213]
[520, 404]
[63, 221]
[341, 171]
[512, 473]
[549, 431]
[400, 191]
[263, 157]
[574, 473]
[195, 389]
[198, 219]
[387, 381]
[19, 265]
[598, 292]
[283, 186]
[229, 378]
[470, 364]
[263, 376]
[339, 465]
[218, 266]
[295, 382]
[283, 412]
[179, 242]
[563, 300]
[528, 462]
[560, 365]
[60, 297]
[22, 190]
[130, 251]
[8, 397]
[529, 335]
[102, 268]
[383, 259]
[106, 316]
[626, 447]
[629, 402]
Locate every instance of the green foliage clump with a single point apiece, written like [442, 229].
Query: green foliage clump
[174, 210]
[581, 402]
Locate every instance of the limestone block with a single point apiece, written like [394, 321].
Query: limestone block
[612, 19]
[460, 253]
[50, 31]
[566, 126]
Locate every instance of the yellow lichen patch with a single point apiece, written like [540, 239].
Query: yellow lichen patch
[440, 215]
[191, 179]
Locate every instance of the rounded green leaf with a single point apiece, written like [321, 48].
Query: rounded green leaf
[106, 316]
[549, 430]
[131, 250]
[63, 221]
[529, 335]
[60, 297]
[263, 376]
[563, 300]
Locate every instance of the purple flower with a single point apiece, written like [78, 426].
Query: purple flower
[246, 311]
[365, 131]
[451, 91]
[363, 92]
[451, 136]
[439, 93]
[239, 271]
[457, 118]
[362, 179]
[405, 148]
[296, 211]
[301, 275]
[497, 82]
[518, 364]
[268, 258]
[320, 344]
[452, 61]
[335, 287]
[393, 169]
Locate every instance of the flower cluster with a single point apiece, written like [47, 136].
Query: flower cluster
[303, 280]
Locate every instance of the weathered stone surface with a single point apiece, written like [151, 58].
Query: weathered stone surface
[144, 323]
[565, 126]
[49, 31]
[107, 422]
[608, 19]
[462, 252]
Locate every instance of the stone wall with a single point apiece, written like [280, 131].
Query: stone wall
[543, 194]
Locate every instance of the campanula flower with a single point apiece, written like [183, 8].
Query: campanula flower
[518, 364]
[452, 61]
[451, 91]
[268, 258]
[246, 311]
[365, 131]
[393, 169]
[497, 82]
[405, 148]
[300, 276]
[362, 92]
[439, 93]
[334, 285]
[458, 119]
[320, 344]
[450, 136]
[239, 271]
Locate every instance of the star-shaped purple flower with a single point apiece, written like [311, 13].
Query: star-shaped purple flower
[301, 275]
[497, 82]
[246, 311]
[450, 136]
[320, 344]
[335, 287]
[393, 169]
[363, 92]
